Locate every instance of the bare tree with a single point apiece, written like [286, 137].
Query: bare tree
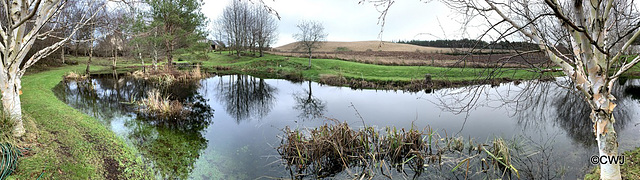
[265, 27]
[234, 22]
[245, 26]
[22, 23]
[598, 33]
[311, 36]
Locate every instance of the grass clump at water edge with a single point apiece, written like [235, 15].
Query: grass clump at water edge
[156, 105]
[332, 148]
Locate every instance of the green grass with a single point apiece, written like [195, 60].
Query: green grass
[271, 65]
[70, 144]
[629, 170]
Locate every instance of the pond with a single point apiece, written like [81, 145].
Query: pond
[237, 121]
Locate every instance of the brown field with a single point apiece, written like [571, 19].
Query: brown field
[332, 46]
[388, 53]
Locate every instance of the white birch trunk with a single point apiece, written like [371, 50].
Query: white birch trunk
[140, 56]
[155, 59]
[11, 103]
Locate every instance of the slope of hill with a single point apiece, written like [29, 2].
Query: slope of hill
[332, 46]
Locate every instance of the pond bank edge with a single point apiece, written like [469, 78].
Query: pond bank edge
[71, 144]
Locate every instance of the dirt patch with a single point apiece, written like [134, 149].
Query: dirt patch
[62, 149]
[112, 169]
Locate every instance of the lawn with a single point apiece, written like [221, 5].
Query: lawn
[65, 143]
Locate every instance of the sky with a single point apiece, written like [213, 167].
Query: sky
[346, 20]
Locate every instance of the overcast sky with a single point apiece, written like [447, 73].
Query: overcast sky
[346, 20]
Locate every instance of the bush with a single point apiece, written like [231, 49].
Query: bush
[342, 49]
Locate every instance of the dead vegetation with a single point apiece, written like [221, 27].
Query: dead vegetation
[73, 76]
[158, 106]
[332, 148]
[331, 46]
[168, 75]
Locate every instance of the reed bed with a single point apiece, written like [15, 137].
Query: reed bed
[167, 76]
[156, 105]
[335, 147]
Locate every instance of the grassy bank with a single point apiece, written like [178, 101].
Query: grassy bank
[65, 143]
[360, 75]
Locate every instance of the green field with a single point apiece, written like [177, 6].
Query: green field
[275, 66]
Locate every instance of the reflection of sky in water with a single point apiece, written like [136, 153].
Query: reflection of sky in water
[242, 146]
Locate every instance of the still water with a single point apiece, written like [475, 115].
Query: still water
[237, 120]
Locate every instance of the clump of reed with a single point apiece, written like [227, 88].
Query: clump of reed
[331, 148]
[156, 105]
[328, 149]
[167, 76]
[404, 147]
[332, 79]
[75, 76]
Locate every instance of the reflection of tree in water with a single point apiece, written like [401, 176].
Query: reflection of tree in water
[172, 146]
[172, 152]
[246, 97]
[103, 98]
[535, 105]
[632, 88]
[309, 106]
[571, 110]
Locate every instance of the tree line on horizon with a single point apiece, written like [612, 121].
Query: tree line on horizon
[472, 43]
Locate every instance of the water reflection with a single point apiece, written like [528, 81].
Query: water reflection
[246, 97]
[172, 147]
[534, 104]
[310, 107]
[537, 114]
[569, 107]
[173, 153]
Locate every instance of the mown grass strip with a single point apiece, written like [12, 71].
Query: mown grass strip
[70, 144]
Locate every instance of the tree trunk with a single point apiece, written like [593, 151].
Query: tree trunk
[141, 60]
[115, 57]
[88, 70]
[155, 50]
[11, 103]
[607, 142]
[261, 53]
[155, 58]
[62, 54]
[309, 58]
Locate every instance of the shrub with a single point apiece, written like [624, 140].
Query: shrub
[342, 49]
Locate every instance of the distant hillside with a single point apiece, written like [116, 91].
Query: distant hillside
[332, 46]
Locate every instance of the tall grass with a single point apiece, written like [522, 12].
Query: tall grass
[332, 148]
[9, 153]
[167, 76]
[6, 128]
[156, 105]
